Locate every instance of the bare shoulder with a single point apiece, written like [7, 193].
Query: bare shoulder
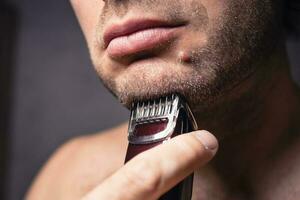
[80, 164]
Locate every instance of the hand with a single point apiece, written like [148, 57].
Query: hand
[152, 173]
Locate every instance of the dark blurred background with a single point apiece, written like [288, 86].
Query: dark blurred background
[49, 86]
[49, 91]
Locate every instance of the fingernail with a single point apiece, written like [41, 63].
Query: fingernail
[208, 140]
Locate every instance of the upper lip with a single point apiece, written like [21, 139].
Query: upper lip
[131, 26]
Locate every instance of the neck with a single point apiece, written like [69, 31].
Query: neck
[253, 126]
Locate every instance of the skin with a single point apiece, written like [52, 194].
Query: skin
[230, 63]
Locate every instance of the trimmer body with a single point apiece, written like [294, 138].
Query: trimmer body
[156, 121]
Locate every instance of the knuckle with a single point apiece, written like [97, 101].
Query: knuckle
[144, 175]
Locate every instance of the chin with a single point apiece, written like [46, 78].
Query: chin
[141, 85]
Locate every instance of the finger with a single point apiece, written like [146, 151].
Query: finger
[152, 173]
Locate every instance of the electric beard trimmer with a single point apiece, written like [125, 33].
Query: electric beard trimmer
[155, 121]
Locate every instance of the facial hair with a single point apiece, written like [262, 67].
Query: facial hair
[236, 42]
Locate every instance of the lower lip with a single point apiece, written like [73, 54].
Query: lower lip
[140, 41]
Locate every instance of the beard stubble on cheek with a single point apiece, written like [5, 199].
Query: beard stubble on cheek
[234, 39]
[129, 85]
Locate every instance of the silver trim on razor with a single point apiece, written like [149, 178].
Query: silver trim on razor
[165, 109]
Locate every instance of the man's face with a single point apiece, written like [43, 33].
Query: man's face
[199, 48]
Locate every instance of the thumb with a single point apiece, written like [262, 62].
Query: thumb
[153, 172]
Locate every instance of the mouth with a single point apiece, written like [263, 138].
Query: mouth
[135, 36]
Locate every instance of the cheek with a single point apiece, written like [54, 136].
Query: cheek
[87, 12]
[215, 8]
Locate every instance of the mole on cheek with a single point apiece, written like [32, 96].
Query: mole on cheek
[184, 57]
